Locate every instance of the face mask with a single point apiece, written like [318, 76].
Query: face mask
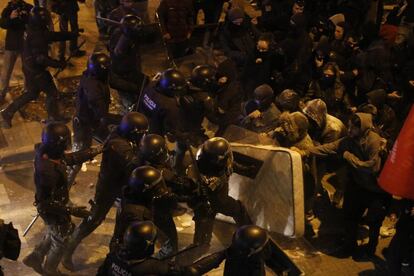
[327, 81]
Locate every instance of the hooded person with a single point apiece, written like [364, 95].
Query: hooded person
[229, 94]
[288, 101]
[373, 74]
[297, 48]
[292, 131]
[260, 114]
[330, 89]
[362, 152]
[385, 119]
[324, 128]
[264, 65]
[238, 37]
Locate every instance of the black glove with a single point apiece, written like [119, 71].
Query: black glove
[62, 64]
[79, 212]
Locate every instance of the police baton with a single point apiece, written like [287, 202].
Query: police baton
[30, 225]
[67, 60]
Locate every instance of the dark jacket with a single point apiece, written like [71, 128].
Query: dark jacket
[257, 73]
[239, 42]
[119, 159]
[385, 119]
[363, 154]
[36, 49]
[162, 111]
[125, 53]
[122, 263]
[235, 263]
[374, 74]
[65, 7]
[176, 18]
[52, 191]
[267, 120]
[15, 27]
[292, 131]
[334, 96]
[229, 96]
[92, 100]
[327, 128]
[275, 16]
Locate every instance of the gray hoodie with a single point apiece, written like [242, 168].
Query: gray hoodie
[364, 154]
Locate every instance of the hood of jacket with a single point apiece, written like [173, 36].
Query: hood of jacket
[316, 110]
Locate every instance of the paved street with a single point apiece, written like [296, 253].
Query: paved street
[17, 187]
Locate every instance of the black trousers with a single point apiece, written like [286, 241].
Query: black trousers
[401, 246]
[82, 139]
[36, 83]
[64, 21]
[53, 244]
[105, 197]
[356, 201]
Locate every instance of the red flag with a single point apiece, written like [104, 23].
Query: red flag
[397, 176]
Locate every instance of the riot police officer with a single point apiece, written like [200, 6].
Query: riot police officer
[92, 104]
[147, 197]
[214, 162]
[35, 62]
[126, 73]
[153, 151]
[52, 195]
[102, 9]
[118, 161]
[203, 89]
[135, 255]
[159, 102]
[204, 78]
[163, 102]
[246, 255]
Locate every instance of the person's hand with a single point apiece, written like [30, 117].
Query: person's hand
[301, 152]
[98, 149]
[254, 21]
[302, 104]
[347, 155]
[14, 14]
[255, 114]
[167, 36]
[353, 109]
[355, 72]
[318, 62]
[62, 64]
[259, 60]
[411, 82]
[394, 95]
[188, 35]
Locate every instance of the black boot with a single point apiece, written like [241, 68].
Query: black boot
[34, 261]
[6, 119]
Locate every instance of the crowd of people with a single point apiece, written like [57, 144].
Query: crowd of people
[331, 80]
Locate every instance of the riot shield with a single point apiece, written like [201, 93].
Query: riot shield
[273, 192]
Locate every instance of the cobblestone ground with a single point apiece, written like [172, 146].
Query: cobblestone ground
[313, 255]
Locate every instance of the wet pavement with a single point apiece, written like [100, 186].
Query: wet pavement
[314, 256]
